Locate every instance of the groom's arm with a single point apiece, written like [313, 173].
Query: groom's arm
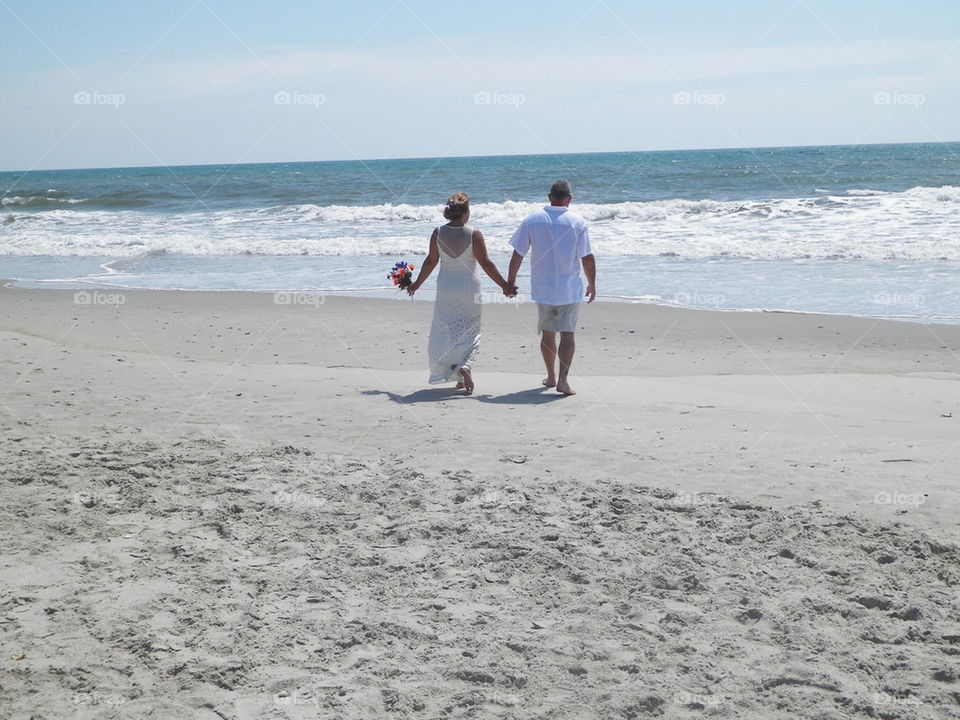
[590, 270]
[515, 262]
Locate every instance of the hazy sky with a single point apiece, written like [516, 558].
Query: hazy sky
[118, 83]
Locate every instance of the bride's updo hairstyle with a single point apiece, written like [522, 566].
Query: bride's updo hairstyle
[457, 206]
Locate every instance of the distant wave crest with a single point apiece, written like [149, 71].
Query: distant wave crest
[38, 201]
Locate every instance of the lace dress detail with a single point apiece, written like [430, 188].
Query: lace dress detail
[455, 332]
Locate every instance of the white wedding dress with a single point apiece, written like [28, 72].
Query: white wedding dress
[455, 333]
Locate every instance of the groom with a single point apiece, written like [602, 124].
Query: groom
[560, 243]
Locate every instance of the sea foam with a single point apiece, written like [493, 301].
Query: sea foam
[920, 224]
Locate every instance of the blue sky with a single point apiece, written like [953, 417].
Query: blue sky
[112, 83]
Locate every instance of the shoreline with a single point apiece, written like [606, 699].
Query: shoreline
[605, 328]
[350, 293]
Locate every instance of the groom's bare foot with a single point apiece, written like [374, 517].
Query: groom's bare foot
[564, 388]
[467, 380]
[459, 386]
[549, 382]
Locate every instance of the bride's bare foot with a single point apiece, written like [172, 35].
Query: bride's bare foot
[549, 382]
[459, 386]
[467, 380]
[565, 389]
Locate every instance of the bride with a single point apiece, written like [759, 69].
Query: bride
[455, 333]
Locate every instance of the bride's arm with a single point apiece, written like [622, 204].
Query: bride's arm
[429, 263]
[484, 261]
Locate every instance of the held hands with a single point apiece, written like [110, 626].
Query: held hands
[510, 290]
[591, 293]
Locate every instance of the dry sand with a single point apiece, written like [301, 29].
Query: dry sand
[214, 505]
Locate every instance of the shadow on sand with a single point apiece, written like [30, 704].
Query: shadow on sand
[420, 396]
[534, 396]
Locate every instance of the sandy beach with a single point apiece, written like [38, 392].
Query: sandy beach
[218, 505]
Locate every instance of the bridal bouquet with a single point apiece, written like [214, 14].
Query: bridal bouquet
[402, 275]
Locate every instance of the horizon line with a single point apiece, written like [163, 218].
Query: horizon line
[472, 157]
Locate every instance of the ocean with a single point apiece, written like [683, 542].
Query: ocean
[871, 230]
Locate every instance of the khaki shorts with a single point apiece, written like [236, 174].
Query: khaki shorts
[558, 318]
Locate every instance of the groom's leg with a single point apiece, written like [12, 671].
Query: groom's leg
[548, 347]
[567, 348]
[566, 324]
